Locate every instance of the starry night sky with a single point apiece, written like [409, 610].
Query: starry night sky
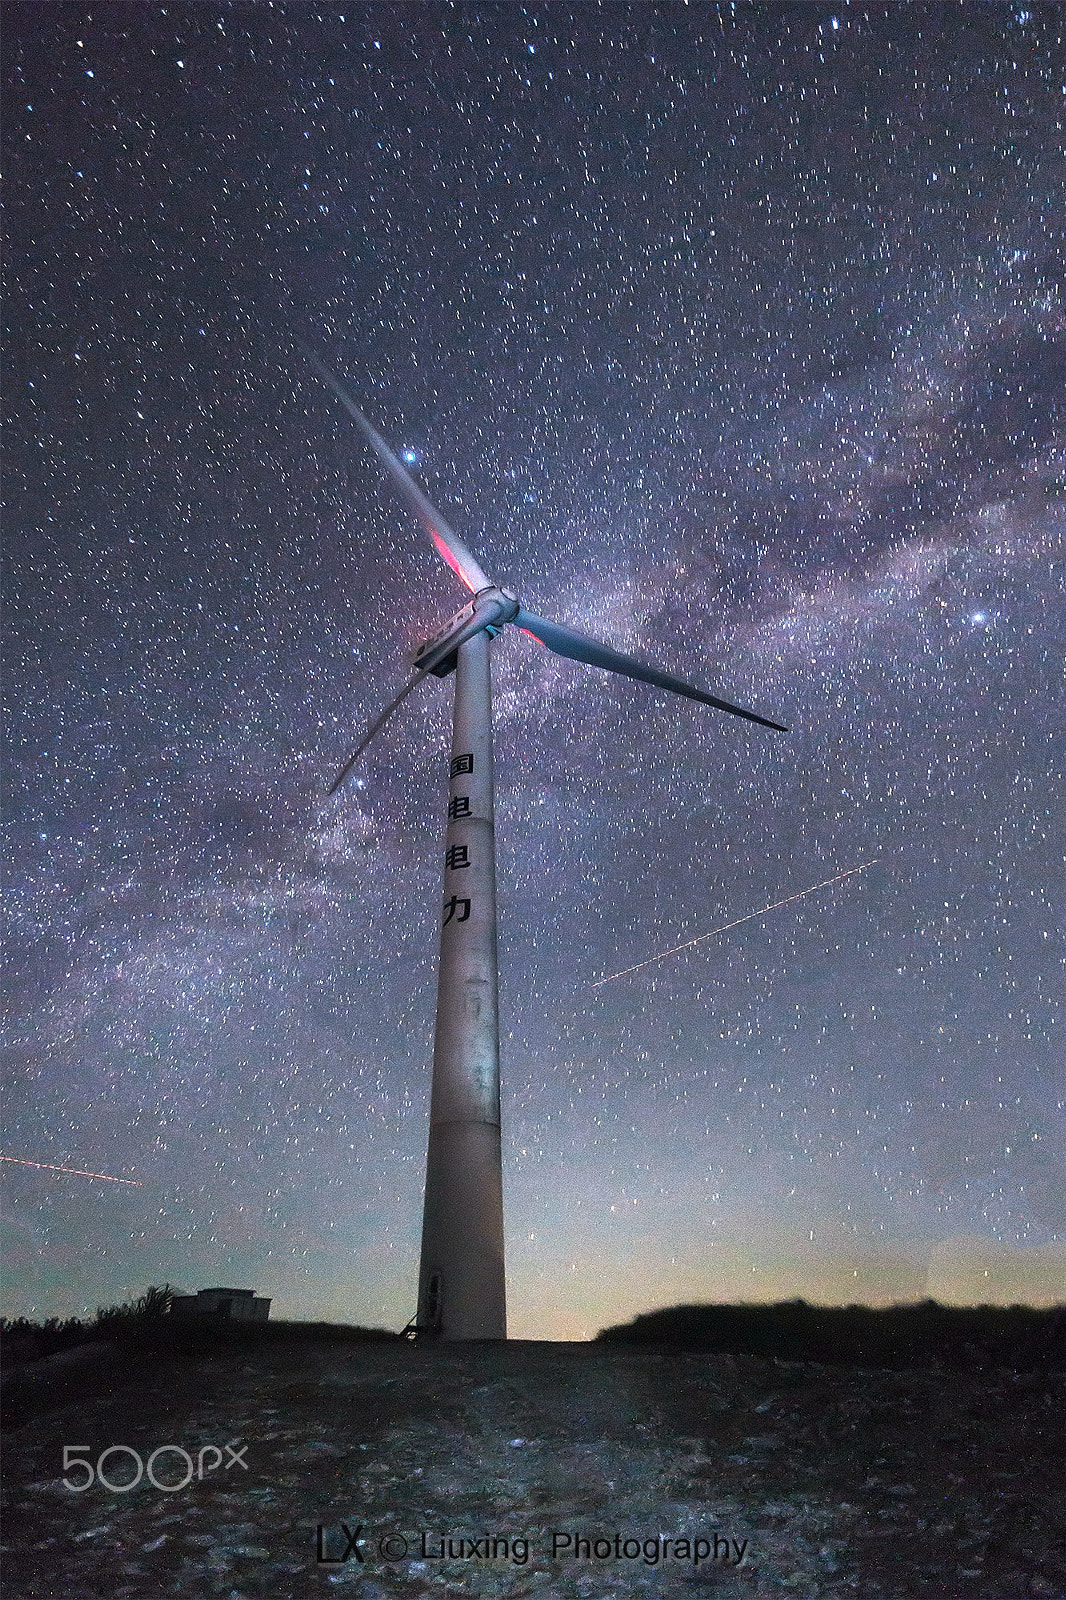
[731, 335]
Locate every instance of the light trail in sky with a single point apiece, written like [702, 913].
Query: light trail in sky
[726, 926]
[78, 1172]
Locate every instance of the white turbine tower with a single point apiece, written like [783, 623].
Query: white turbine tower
[461, 1275]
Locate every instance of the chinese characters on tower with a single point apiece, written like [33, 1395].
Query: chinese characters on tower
[457, 856]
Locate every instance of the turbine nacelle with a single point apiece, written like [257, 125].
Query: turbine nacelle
[506, 606]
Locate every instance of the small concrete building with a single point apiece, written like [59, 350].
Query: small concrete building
[239, 1305]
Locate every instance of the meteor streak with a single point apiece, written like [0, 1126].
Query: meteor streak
[77, 1171]
[726, 926]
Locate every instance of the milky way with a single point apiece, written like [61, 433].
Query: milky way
[733, 336]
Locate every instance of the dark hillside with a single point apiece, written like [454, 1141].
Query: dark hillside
[146, 1325]
[924, 1336]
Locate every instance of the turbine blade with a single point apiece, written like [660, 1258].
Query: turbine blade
[380, 723]
[446, 541]
[485, 613]
[573, 645]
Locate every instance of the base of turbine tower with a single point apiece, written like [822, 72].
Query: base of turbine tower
[461, 1292]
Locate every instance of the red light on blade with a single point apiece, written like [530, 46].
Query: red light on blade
[443, 551]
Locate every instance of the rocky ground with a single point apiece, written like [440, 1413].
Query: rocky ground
[814, 1480]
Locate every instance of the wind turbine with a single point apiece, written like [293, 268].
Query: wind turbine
[461, 1274]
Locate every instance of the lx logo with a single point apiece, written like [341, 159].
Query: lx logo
[351, 1548]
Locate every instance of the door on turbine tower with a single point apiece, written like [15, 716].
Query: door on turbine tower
[430, 1324]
